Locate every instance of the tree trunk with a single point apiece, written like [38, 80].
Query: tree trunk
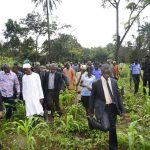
[36, 59]
[117, 34]
[48, 29]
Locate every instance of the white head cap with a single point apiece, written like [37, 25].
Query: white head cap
[83, 67]
[27, 65]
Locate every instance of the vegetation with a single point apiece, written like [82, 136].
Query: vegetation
[71, 130]
[135, 8]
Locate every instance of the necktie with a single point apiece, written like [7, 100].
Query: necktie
[110, 92]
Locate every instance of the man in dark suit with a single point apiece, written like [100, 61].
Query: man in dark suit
[105, 97]
[146, 74]
[51, 87]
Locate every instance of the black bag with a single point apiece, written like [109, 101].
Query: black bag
[103, 124]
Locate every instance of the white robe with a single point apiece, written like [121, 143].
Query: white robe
[32, 93]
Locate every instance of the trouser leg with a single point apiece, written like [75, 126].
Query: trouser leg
[56, 101]
[49, 106]
[144, 84]
[113, 143]
[49, 102]
[10, 106]
[136, 80]
[85, 102]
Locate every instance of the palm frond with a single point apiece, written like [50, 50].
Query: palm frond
[52, 3]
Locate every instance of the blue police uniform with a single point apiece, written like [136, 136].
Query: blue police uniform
[135, 72]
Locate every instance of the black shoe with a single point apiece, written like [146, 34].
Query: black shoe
[90, 124]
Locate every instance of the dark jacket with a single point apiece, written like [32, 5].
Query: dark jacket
[146, 68]
[42, 75]
[57, 82]
[98, 102]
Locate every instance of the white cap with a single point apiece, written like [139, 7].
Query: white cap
[83, 67]
[26, 65]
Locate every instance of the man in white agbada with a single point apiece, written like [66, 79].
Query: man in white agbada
[32, 92]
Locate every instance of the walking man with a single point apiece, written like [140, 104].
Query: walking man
[79, 75]
[146, 74]
[32, 92]
[19, 74]
[52, 86]
[70, 74]
[96, 71]
[86, 84]
[105, 98]
[135, 69]
[9, 82]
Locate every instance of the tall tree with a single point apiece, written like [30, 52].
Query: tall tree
[19, 44]
[36, 25]
[135, 8]
[145, 35]
[48, 6]
[99, 54]
[64, 47]
[27, 49]
[13, 34]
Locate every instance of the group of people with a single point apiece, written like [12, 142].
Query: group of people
[95, 84]
[40, 86]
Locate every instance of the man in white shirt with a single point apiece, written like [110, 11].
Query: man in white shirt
[86, 84]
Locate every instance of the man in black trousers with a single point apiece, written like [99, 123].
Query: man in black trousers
[146, 74]
[105, 97]
[51, 86]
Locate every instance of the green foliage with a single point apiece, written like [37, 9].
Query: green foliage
[19, 114]
[145, 35]
[98, 54]
[51, 3]
[135, 8]
[66, 98]
[65, 46]
[27, 129]
[7, 60]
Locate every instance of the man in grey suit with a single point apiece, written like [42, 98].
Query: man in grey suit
[105, 97]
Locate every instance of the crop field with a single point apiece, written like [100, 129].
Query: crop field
[71, 132]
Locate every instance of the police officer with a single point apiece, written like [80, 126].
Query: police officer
[135, 69]
[146, 74]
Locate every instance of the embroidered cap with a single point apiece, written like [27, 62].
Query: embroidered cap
[26, 65]
[83, 67]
